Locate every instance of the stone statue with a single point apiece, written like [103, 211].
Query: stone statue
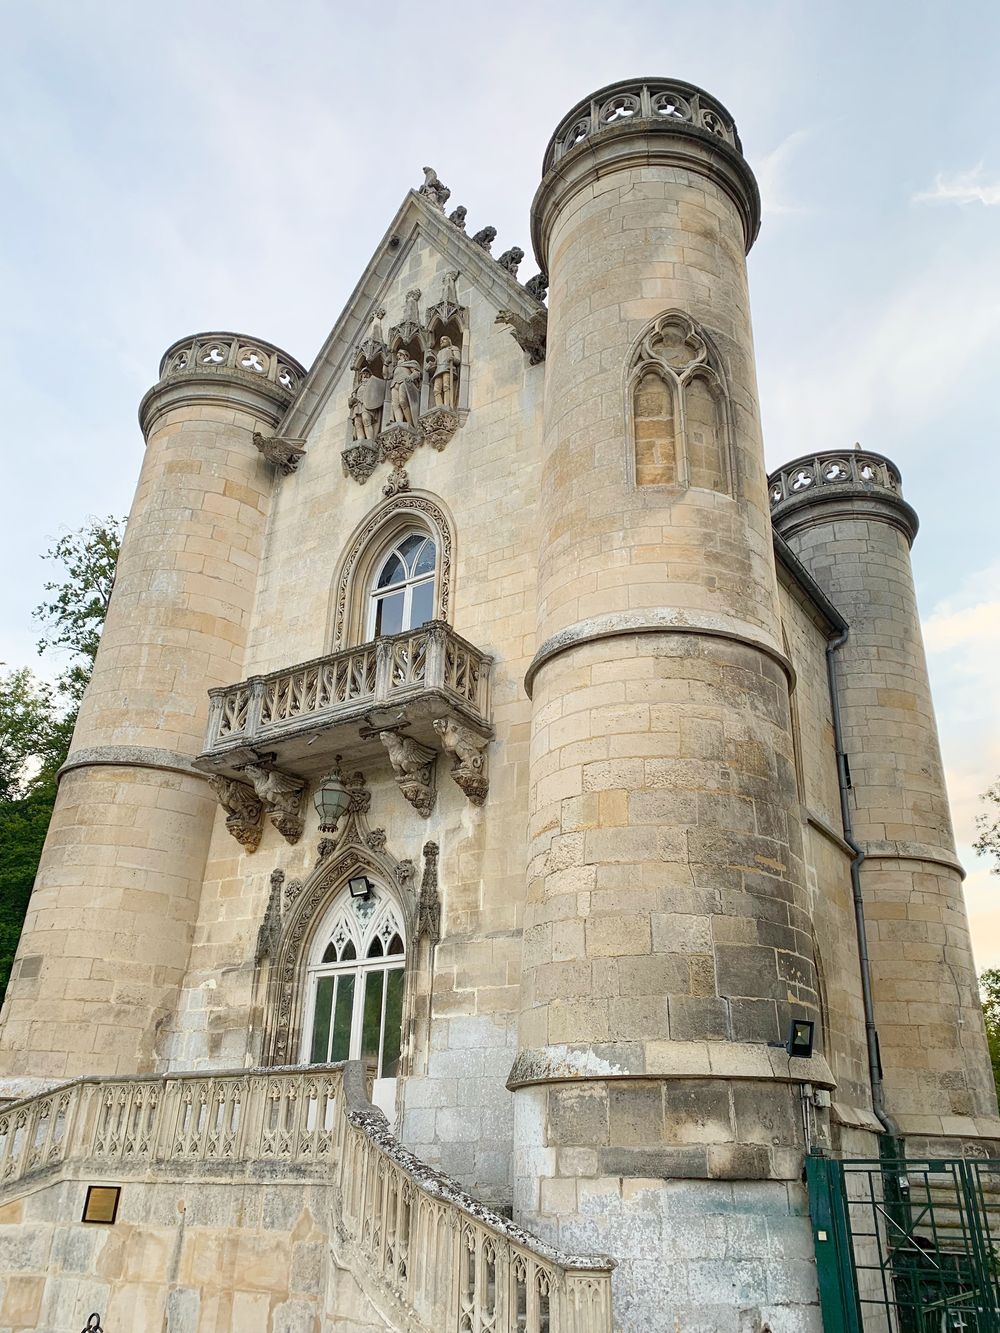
[434, 188]
[449, 291]
[375, 331]
[485, 238]
[443, 366]
[411, 307]
[511, 259]
[405, 389]
[413, 766]
[458, 217]
[537, 286]
[365, 405]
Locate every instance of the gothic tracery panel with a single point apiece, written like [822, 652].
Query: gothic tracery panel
[678, 409]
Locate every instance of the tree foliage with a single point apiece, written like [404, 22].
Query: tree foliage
[73, 616]
[988, 841]
[37, 719]
[989, 990]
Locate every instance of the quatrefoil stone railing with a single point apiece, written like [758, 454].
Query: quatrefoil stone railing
[838, 478]
[236, 356]
[651, 103]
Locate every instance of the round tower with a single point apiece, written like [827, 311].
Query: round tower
[106, 938]
[845, 517]
[667, 938]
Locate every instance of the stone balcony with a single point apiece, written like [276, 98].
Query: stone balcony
[412, 694]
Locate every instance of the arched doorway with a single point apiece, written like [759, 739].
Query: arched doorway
[354, 988]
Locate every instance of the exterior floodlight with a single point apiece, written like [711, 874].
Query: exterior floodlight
[360, 886]
[332, 800]
[800, 1038]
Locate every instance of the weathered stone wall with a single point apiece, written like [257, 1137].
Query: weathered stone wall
[937, 1073]
[456, 1112]
[667, 933]
[197, 1257]
[110, 922]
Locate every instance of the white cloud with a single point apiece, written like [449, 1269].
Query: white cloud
[963, 187]
[770, 171]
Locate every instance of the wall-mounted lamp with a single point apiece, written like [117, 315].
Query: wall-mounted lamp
[332, 800]
[800, 1038]
[360, 887]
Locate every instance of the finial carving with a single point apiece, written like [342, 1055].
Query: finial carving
[434, 188]
[429, 904]
[269, 932]
[511, 259]
[485, 238]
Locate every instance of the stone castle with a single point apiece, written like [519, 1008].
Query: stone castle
[485, 763]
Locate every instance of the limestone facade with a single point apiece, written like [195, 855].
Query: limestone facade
[513, 581]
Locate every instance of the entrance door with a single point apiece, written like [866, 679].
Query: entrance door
[355, 990]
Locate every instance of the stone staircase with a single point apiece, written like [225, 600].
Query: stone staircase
[426, 1256]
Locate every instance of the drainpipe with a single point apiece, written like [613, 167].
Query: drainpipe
[871, 1032]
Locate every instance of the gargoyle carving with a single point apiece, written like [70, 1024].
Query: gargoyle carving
[485, 237]
[538, 286]
[244, 812]
[281, 796]
[468, 751]
[413, 765]
[528, 333]
[511, 259]
[458, 217]
[284, 454]
[434, 188]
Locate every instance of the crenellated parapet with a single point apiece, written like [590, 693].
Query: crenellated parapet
[224, 365]
[838, 480]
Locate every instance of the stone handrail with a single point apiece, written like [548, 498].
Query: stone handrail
[850, 468]
[430, 1257]
[232, 354]
[652, 102]
[342, 685]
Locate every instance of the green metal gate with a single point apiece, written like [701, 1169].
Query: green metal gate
[907, 1246]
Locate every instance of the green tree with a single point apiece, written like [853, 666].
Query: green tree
[989, 990]
[73, 617]
[37, 719]
[988, 841]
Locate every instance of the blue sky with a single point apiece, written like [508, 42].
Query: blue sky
[167, 169]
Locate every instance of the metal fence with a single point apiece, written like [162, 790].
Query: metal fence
[907, 1246]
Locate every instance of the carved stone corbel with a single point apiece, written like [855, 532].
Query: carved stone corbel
[397, 481]
[397, 442]
[438, 425]
[284, 454]
[281, 796]
[429, 904]
[244, 812]
[468, 751]
[413, 764]
[269, 933]
[529, 334]
[360, 459]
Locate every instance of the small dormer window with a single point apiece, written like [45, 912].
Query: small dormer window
[402, 591]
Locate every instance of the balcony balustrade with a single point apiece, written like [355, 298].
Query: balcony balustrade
[336, 704]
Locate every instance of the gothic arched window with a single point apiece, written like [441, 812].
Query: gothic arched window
[678, 409]
[355, 984]
[402, 589]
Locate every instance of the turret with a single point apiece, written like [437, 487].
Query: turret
[667, 937]
[106, 938]
[845, 517]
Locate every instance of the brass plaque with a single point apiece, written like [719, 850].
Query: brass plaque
[102, 1203]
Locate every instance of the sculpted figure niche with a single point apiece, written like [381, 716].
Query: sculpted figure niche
[405, 389]
[444, 366]
[365, 404]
